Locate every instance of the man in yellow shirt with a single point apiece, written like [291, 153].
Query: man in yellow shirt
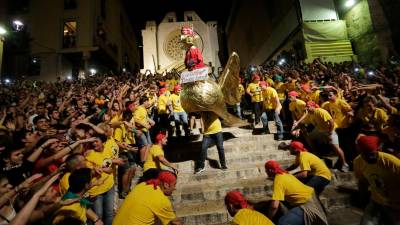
[379, 173]
[178, 112]
[254, 90]
[273, 106]
[241, 91]
[299, 196]
[163, 111]
[73, 162]
[155, 158]
[296, 106]
[313, 170]
[339, 109]
[324, 130]
[370, 114]
[212, 131]
[80, 182]
[102, 160]
[149, 202]
[243, 213]
[144, 124]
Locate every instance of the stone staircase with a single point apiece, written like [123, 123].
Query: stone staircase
[199, 198]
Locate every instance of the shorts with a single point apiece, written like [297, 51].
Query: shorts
[324, 137]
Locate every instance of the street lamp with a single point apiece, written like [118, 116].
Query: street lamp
[349, 3]
[18, 25]
[93, 71]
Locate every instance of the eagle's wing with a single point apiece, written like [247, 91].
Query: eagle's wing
[229, 80]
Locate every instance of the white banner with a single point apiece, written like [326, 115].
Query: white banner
[195, 75]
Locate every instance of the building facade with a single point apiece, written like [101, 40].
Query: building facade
[75, 37]
[163, 50]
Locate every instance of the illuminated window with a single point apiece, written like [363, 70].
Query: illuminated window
[69, 34]
[189, 18]
[70, 4]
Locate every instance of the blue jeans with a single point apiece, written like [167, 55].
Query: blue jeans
[104, 206]
[318, 183]
[145, 139]
[178, 117]
[207, 139]
[295, 216]
[278, 122]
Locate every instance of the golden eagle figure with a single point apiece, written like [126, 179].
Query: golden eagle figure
[208, 95]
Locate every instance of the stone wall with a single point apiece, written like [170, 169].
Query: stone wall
[369, 31]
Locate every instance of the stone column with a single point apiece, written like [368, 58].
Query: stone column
[86, 57]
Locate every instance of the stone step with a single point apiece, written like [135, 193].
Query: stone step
[194, 192]
[214, 211]
[232, 160]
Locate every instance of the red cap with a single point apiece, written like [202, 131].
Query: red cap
[298, 146]
[235, 198]
[160, 137]
[368, 144]
[177, 88]
[164, 177]
[263, 84]
[187, 30]
[293, 94]
[274, 167]
[312, 104]
[162, 91]
[256, 77]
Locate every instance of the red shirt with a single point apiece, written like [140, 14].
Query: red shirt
[193, 59]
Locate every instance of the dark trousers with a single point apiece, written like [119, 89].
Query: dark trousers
[318, 183]
[257, 110]
[218, 138]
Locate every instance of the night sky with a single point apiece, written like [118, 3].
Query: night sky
[141, 11]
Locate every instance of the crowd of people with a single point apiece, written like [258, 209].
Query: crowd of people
[70, 148]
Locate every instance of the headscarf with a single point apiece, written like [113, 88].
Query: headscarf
[162, 91]
[263, 84]
[177, 88]
[160, 137]
[274, 166]
[368, 144]
[293, 94]
[236, 198]
[164, 177]
[256, 77]
[298, 146]
[312, 104]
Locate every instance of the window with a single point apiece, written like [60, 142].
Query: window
[69, 34]
[170, 20]
[70, 4]
[189, 18]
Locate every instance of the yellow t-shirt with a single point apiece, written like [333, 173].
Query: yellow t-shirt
[298, 108]
[269, 95]
[151, 160]
[75, 210]
[143, 206]
[250, 217]
[101, 159]
[162, 104]
[291, 86]
[379, 118]
[280, 88]
[338, 110]
[64, 183]
[256, 91]
[313, 164]
[313, 96]
[140, 116]
[319, 118]
[383, 178]
[288, 188]
[241, 89]
[111, 147]
[176, 103]
[212, 124]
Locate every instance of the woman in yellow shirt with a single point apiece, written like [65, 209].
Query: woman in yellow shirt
[243, 213]
[312, 169]
[155, 160]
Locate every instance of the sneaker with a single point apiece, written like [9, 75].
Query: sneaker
[199, 170]
[345, 168]
[224, 167]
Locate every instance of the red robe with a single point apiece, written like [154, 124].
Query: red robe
[193, 59]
